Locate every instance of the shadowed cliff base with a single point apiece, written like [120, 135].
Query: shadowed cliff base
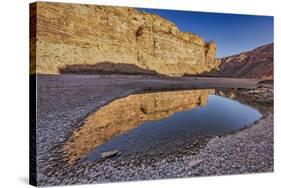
[106, 68]
[263, 70]
[257, 63]
[110, 68]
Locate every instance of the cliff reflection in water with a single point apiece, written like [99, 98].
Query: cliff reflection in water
[125, 114]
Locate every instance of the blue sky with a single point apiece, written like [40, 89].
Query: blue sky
[233, 33]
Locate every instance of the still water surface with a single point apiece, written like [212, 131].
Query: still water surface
[160, 122]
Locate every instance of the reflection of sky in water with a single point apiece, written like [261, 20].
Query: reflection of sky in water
[220, 115]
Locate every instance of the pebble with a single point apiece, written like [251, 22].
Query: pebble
[56, 119]
[194, 163]
[109, 154]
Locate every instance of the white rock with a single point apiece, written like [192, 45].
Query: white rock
[109, 154]
[194, 163]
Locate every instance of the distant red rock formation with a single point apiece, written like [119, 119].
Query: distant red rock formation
[257, 63]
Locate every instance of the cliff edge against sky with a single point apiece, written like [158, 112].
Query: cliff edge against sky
[75, 34]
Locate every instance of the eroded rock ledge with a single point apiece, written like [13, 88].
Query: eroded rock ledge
[88, 34]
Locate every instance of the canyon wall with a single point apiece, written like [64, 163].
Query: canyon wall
[256, 63]
[75, 34]
[125, 114]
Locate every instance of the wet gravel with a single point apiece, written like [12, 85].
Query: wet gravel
[64, 101]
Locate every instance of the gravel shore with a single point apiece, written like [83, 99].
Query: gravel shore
[65, 100]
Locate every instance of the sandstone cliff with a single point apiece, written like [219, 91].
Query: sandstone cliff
[125, 114]
[76, 34]
[257, 63]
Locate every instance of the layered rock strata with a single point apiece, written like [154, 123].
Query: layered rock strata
[77, 34]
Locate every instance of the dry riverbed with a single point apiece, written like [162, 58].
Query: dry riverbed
[65, 100]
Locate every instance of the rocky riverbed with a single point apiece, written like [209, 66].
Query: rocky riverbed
[65, 100]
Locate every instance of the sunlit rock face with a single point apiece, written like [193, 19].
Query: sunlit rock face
[88, 34]
[125, 114]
